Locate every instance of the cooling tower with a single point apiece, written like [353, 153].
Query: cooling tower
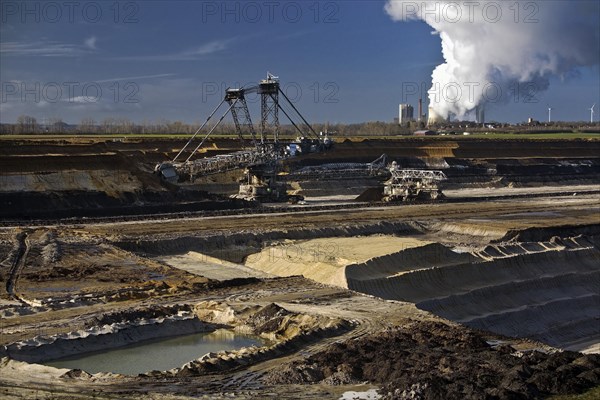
[434, 117]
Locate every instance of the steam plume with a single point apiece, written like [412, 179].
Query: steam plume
[498, 51]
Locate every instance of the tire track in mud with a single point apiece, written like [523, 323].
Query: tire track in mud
[17, 266]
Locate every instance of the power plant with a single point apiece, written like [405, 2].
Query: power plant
[406, 114]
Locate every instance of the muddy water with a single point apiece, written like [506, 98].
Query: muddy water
[160, 355]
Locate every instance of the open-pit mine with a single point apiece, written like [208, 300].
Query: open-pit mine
[476, 279]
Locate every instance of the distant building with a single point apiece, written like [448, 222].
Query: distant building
[425, 133]
[405, 113]
[480, 115]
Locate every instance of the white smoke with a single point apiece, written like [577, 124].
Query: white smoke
[499, 51]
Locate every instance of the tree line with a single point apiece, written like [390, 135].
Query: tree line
[28, 125]
[121, 126]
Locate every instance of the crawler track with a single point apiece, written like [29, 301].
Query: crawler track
[17, 266]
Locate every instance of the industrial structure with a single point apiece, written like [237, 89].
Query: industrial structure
[262, 155]
[412, 184]
[261, 183]
[398, 184]
[345, 170]
[405, 113]
[480, 114]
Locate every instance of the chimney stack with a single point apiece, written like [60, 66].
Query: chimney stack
[420, 110]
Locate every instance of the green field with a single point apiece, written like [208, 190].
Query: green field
[592, 394]
[559, 135]
[338, 138]
[495, 136]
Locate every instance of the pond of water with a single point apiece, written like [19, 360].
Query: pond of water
[161, 354]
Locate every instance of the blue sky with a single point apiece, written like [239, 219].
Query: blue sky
[340, 61]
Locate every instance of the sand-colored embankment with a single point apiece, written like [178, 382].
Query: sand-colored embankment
[211, 267]
[235, 247]
[325, 260]
[548, 291]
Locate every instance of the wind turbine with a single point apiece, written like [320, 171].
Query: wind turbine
[549, 113]
[592, 114]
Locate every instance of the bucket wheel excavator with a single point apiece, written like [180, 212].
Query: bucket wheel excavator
[261, 159]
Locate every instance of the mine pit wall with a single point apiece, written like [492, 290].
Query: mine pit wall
[57, 180]
[236, 247]
[467, 148]
[467, 163]
[550, 296]
[541, 283]
[93, 185]
[464, 173]
[67, 204]
[590, 232]
[413, 259]
[440, 282]
[92, 180]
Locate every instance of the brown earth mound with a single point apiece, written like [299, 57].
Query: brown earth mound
[436, 361]
[371, 194]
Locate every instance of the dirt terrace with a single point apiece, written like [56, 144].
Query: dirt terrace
[45, 179]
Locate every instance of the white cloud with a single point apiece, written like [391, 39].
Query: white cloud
[207, 48]
[169, 98]
[193, 53]
[82, 99]
[130, 78]
[43, 48]
[90, 43]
